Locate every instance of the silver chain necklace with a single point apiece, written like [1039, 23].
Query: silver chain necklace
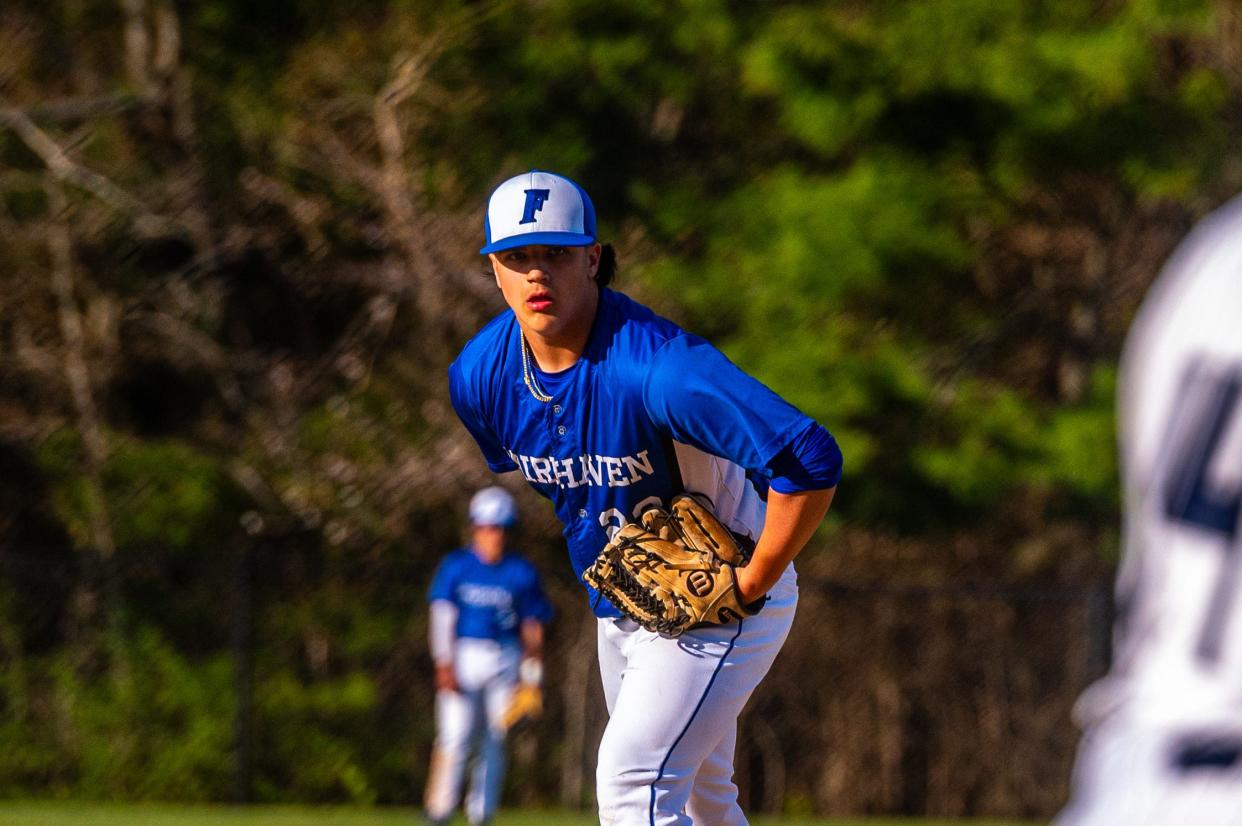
[528, 374]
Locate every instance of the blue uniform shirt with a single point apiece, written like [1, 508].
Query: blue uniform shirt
[492, 600]
[647, 412]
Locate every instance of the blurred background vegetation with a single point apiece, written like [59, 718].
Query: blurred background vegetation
[238, 244]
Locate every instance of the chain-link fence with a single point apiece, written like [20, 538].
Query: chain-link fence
[944, 700]
[952, 700]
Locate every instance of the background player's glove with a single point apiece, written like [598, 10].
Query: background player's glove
[527, 701]
[674, 572]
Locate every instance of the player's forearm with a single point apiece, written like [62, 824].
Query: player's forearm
[532, 638]
[531, 670]
[790, 522]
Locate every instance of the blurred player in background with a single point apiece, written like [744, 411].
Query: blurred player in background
[1163, 742]
[607, 409]
[488, 613]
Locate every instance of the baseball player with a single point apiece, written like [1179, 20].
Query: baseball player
[1163, 741]
[487, 621]
[607, 409]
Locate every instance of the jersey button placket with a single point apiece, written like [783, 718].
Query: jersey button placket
[558, 430]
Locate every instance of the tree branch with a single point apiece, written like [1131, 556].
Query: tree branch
[77, 372]
[137, 44]
[66, 169]
[69, 110]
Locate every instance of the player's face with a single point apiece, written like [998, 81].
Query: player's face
[550, 289]
[489, 543]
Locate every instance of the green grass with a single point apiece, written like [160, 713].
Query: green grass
[39, 813]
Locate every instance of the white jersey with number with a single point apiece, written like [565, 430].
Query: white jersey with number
[1163, 744]
[1179, 657]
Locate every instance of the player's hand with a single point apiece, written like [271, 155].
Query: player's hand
[446, 680]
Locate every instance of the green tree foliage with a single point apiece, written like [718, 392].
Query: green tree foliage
[923, 131]
[159, 494]
[156, 733]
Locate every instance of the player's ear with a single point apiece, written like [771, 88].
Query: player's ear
[491, 259]
[593, 256]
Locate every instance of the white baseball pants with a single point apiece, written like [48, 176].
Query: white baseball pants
[468, 722]
[673, 702]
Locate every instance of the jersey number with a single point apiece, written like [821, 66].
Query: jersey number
[613, 520]
[1209, 400]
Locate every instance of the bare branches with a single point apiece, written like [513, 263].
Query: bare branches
[137, 44]
[76, 371]
[167, 41]
[65, 169]
[70, 110]
[57, 157]
[394, 185]
[307, 212]
[184, 340]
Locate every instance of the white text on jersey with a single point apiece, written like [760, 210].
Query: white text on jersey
[610, 471]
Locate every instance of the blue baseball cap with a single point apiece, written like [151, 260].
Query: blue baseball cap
[538, 207]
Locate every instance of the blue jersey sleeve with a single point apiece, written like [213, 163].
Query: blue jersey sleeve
[444, 582]
[466, 402]
[812, 461]
[702, 399]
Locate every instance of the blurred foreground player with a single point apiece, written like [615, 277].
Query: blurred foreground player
[487, 620]
[1163, 741]
[609, 411]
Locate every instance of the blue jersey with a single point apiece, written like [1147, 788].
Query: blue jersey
[491, 600]
[647, 412]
